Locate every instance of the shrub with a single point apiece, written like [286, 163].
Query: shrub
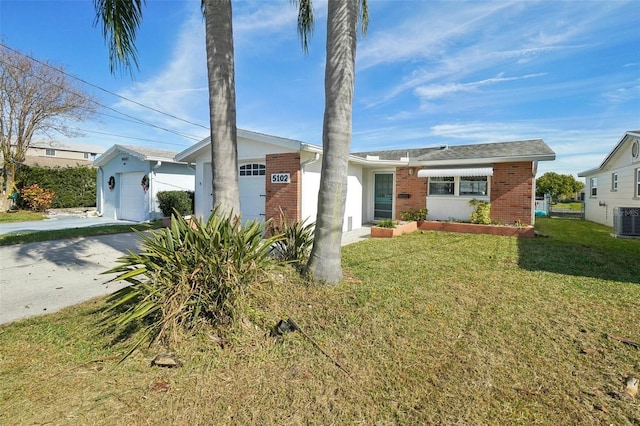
[386, 223]
[180, 201]
[73, 186]
[482, 213]
[36, 198]
[192, 274]
[414, 214]
[296, 240]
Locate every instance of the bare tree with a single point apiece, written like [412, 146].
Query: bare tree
[35, 98]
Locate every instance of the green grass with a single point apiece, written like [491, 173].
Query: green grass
[433, 328]
[21, 216]
[39, 236]
[573, 206]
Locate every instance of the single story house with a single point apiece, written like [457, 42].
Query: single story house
[278, 173]
[130, 177]
[613, 188]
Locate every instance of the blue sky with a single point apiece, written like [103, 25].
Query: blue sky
[428, 73]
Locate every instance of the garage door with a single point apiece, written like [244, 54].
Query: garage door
[251, 180]
[132, 198]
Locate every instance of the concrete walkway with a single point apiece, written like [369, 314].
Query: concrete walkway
[40, 278]
[59, 221]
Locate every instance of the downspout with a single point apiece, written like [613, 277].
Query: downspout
[152, 195]
[315, 159]
[100, 192]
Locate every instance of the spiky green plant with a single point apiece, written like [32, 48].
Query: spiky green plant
[296, 240]
[193, 273]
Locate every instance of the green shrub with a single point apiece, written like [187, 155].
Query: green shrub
[482, 213]
[192, 274]
[180, 201]
[414, 214]
[296, 240]
[73, 186]
[386, 223]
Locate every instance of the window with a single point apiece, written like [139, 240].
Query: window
[441, 185]
[252, 170]
[594, 187]
[473, 185]
[637, 183]
[50, 152]
[614, 181]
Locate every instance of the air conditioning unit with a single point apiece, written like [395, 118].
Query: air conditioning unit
[626, 221]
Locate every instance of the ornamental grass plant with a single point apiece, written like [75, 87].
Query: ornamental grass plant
[193, 273]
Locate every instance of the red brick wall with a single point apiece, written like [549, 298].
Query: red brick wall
[285, 196]
[414, 186]
[512, 192]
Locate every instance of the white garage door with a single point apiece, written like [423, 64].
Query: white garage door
[132, 198]
[252, 191]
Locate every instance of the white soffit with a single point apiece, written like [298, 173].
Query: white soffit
[478, 171]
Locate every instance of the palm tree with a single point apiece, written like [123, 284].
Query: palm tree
[342, 20]
[120, 20]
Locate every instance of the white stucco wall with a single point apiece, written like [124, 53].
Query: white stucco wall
[168, 176]
[442, 207]
[109, 200]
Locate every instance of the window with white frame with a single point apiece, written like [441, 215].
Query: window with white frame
[50, 152]
[473, 185]
[614, 181]
[637, 183]
[459, 186]
[252, 170]
[442, 185]
[593, 186]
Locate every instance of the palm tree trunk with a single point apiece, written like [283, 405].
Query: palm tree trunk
[222, 105]
[325, 260]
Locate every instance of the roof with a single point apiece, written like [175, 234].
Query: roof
[142, 153]
[527, 150]
[628, 136]
[191, 153]
[67, 146]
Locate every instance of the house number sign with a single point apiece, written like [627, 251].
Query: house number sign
[280, 178]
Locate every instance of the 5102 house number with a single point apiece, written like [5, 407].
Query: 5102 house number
[280, 178]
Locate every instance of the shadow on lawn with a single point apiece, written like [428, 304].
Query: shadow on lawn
[580, 248]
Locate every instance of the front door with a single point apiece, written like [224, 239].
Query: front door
[383, 202]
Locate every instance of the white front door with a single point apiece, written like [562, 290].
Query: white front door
[132, 198]
[251, 181]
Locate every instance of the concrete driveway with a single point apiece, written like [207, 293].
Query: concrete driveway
[60, 221]
[40, 278]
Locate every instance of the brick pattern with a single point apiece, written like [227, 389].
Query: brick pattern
[285, 196]
[512, 192]
[414, 186]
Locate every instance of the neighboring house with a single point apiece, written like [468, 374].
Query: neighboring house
[129, 177]
[615, 184]
[277, 173]
[50, 153]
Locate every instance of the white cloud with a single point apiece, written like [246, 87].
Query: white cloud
[179, 89]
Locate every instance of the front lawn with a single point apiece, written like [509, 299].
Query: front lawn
[431, 328]
[21, 216]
